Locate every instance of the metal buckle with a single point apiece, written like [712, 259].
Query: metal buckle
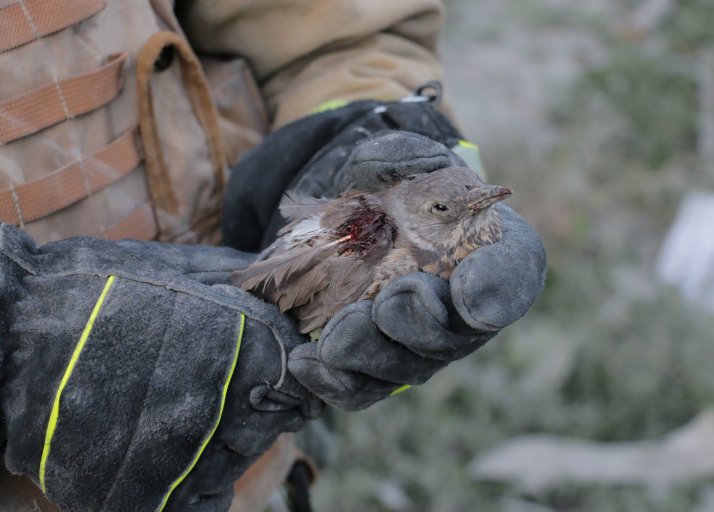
[421, 94]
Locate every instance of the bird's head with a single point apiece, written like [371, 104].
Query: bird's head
[447, 209]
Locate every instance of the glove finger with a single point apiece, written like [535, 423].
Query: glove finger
[324, 177]
[495, 285]
[351, 341]
[416, 310]
[347, 390]
[390, 156]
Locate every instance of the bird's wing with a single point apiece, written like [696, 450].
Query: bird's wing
[316, 268]
[304, 213]
[348, 278]
[283, 273]
[270, 278]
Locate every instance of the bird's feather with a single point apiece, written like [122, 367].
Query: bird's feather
[348, 279]
[347, 207]
[295, 205]
[266, 277]
[305, 231]
[298, 271]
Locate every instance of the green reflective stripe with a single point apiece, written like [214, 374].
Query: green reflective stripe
[329, 105]
[208, 438]
[471, 154]
[54, 413]
[468, 145]
[400, 389]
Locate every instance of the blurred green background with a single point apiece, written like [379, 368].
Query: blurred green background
[592, 112]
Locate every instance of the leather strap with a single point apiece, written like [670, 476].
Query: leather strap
[73, 182]
[199, 93]
[54, 102]
[25, 21]
[140, 224]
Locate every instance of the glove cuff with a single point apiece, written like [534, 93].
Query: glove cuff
[144, 400]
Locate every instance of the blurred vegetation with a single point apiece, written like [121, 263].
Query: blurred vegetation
[653, 84]
[606, 353]
[634, 83]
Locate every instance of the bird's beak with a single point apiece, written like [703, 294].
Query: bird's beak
[489, 195]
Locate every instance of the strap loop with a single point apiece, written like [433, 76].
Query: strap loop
[55, 102]
[65, 186]
[194, 80]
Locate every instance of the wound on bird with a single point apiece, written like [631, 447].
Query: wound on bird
[363, 231]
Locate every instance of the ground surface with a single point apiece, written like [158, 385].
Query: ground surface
[589, 111]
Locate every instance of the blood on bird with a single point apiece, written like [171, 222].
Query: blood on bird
[363, 231]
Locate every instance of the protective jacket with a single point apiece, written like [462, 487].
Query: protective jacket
[119, 119]
[120, 116]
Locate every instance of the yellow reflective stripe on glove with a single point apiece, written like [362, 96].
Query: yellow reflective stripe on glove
[54, 414]
[183, 475]
[400, 389]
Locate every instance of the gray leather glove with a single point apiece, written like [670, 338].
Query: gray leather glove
[418, 323]
[128, 381]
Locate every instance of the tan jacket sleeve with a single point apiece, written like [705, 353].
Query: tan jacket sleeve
[307, 52]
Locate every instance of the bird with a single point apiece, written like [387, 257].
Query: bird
[334, 252]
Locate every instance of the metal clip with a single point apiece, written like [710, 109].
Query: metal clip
[421, 93]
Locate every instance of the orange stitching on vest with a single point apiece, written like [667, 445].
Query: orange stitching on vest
[31, 22]
[62, 99]
[16, 203]
[85, 176]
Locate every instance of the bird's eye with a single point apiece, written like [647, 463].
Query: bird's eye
[439, 207]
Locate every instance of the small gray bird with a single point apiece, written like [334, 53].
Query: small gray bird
[337, 251]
